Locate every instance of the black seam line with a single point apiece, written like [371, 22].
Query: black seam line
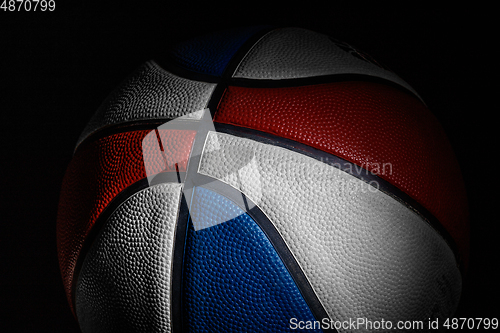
[316, 80]
[132, 126]
[120, 198]
[231, 67]
[182, 224]
[177, 268]
[286, 256]
[348, 167]
[96, 229]
[192, 173]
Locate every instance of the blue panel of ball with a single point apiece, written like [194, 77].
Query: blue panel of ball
[234, 280]
[210, 54]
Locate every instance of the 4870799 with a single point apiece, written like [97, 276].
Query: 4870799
[28, 5]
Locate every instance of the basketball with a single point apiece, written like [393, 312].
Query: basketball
[262, 179]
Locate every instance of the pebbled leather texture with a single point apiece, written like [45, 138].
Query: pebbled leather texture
[380, 128]
[234, 280]
[151, 93]
[364, 253]
[95, 176]
[124, 284]
[290, 53]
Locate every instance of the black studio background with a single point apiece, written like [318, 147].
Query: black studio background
[57, 67]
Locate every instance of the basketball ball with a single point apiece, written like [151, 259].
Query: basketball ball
[262, 179]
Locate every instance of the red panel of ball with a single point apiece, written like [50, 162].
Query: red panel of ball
[375, 126]
[97, 174]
